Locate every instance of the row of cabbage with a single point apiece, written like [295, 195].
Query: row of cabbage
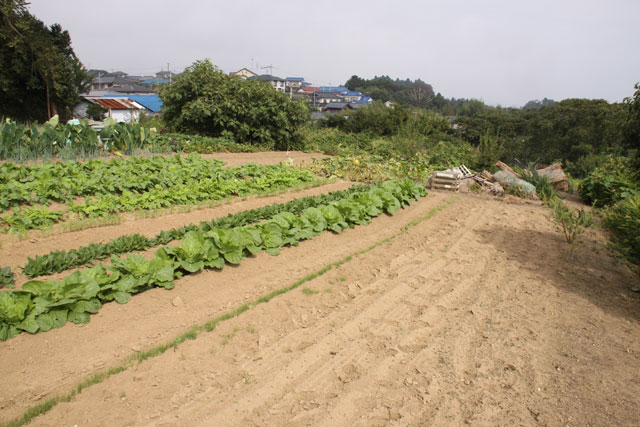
[60, 260]
[66, 181]
[128, 185]
[42, 305]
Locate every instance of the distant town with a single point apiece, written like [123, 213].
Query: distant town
[125, 97]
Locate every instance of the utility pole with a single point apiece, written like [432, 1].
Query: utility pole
[270, 67]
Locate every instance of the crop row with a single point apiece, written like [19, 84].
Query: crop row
[63, 182]
[273, 178]
[61, 260]
[240, 181]
[40, 306]
[20, 142]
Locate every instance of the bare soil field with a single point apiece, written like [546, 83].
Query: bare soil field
[459, 309]
[265, 157]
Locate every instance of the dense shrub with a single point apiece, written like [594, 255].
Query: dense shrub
[609, 183]
[334, 141]
[205, 101]
[623, 219]
[178, 142]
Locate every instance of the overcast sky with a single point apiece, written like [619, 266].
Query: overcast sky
[504, 52]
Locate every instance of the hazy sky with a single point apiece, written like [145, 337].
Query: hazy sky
[504, 52]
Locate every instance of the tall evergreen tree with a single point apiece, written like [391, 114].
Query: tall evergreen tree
[40, 75]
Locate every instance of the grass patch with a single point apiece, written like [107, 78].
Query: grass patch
[309, 291]
[208, 326]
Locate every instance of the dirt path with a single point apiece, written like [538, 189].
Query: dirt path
[265, 158]
[472, 316]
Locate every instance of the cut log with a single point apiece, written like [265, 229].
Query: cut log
[505, 167]
[487, 175]
[556, 176]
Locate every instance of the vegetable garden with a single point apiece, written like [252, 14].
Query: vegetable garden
[42, 305]
[96, 188]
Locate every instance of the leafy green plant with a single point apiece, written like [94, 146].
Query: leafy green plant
[609, 183]
[544, 189]
[623, 219]
[7, 278]
[60, 260]
[40, 306]
[30, 217]
[572, 222]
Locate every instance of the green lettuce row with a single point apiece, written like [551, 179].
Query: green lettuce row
[61, 260]
[63, 182]
[40, 306]
[7, 278]
[198, 190]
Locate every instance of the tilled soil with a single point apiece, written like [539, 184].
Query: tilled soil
[476, 315]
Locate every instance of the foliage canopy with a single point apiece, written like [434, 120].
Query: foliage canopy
[205, 101]
[40, 75]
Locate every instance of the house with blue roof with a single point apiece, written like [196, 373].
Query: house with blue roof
[353, 96]
[334, 89]
[152, 82]
[364, 100]
[294, 82]
[151, 102]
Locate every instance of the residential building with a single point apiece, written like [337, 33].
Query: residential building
[120, 109]
[364, 100]
[334, 89]
[151, 102]
[294, 82]
[326, 97]
[165, 75]
[243, 73]
[353, 96]
[277, 82]
[337, 107]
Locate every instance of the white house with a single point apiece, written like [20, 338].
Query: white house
[278, 83]
[243, 73]
[120, 109]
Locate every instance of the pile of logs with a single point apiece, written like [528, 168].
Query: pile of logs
[486, 182]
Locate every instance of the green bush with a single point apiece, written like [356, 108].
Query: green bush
[544, 189]
[333, 141]
[611, 182]
[177, 142]
[623, 219]
[205, 101]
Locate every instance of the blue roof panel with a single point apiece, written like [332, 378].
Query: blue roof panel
[151, 102]
[335, 89]
[364, 100]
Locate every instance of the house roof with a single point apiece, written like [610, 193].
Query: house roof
[295, 79]
[117, 103]
[155, 81]
[308, 89]
[241, 69]
[103, 79]
[327, 95]
[267, 78]
[353, 93]
[131, 88]
[336, 89]
[151, 102]
[364, 100]
[337, 106]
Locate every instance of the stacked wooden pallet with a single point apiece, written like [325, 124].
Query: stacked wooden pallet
[446, 180]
